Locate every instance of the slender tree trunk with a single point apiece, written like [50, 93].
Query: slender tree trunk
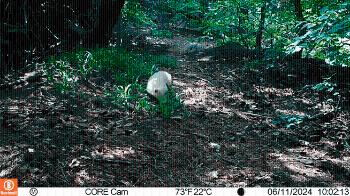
[299, 14]
[259, 36]
[205, 5]
[298, 10]
[242, 14]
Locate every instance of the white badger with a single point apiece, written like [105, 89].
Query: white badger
[158, 84]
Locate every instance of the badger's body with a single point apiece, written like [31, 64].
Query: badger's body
[158, 84]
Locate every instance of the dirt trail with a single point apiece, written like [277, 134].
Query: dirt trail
[228, 140]
[233, 109]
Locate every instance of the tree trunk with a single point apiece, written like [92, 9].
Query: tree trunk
[110, 12]
[242, 14]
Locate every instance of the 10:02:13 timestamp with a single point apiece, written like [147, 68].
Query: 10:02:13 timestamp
[334, 191]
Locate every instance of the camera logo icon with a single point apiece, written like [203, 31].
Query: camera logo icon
[9, 185]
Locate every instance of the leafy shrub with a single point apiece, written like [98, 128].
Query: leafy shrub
[134, 13]
[327, 35]
[170, 103]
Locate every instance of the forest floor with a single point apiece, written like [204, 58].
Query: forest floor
[244, 130]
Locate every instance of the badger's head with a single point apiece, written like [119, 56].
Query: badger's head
[160, 91]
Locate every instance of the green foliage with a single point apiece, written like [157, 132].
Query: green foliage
[126, 95]
[159, 13]
[162, 33]
[327, 27]
[163, 60]
[130, 97]
[190, 9]
[125, 66]
[325, 86]
[278, 26]
[327, 35]
[170, 103]
[61, 74]
[233, 21]
[220, 20]
[123, 69]
[143, 104]
[134, 13]
[289, 121]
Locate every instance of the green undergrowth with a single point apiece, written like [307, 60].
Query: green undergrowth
[171, 104]
[122, 75]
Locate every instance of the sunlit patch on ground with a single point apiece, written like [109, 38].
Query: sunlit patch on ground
[106, 152]
[290, 112]
[204, 59]
[324, 107]
[307, 164]
[10, 159]
[201, 95]
[300, 165]
[82, 177]
[271, 90]
[305, 101]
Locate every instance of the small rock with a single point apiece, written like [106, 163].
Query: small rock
[215, 146]
[213, 174]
